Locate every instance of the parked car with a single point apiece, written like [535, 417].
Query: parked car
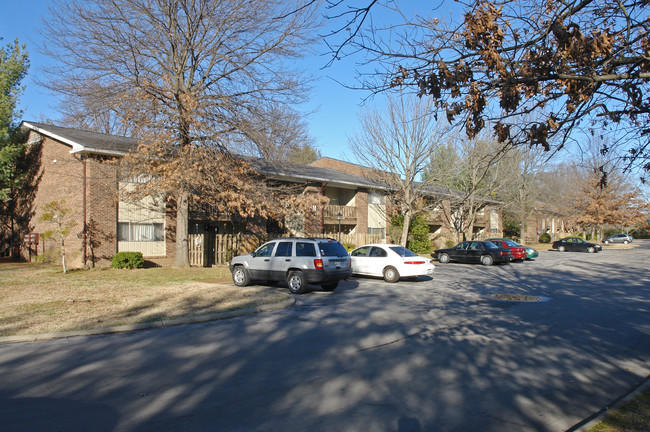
[618, 238]
[484, 252]
[389, 261]
[576, 244]
[518, 251]
[531, 253]
[298, 261]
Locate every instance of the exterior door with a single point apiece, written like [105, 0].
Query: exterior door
[280, 261]
[260, 265]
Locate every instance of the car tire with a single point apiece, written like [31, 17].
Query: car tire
[606, 241]
[487, 260]
[561, 249]
[296, 282]
[330, 286]
[591, 249]
[391, 274]
[443, 258]
[240, 276]
[625, 242]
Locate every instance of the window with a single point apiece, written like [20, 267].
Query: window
[378, 252]
[140, 232]
[376, 198]
[362, 251]
[284, 249]
[265, 250]
[332, 249]
[305, 249]
[403, 252]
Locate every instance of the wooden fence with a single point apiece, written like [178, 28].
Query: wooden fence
[205, 251]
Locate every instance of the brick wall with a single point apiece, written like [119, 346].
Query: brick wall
[101, 209]
[61, 180]
[342, 166]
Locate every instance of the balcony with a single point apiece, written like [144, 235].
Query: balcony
[348, 215]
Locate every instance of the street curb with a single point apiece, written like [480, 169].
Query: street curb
[598, 417]
[149, 325]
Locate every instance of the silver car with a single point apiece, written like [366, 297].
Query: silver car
[618, 238]
[298, 261]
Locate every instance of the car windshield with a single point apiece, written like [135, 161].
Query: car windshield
[402, 251]
[332, 248]
[489, 245]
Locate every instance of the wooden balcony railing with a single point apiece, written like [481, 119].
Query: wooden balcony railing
[348, 214]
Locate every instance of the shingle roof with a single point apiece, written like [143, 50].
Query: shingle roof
[85, 141]
[310, 173]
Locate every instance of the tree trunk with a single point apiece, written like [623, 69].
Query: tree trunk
[182, 212]
[405, 229]
[65, 269]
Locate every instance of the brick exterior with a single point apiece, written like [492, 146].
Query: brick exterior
[101, 209]
[88, 184]
[361, 202]
[60, 180]
[342, 166]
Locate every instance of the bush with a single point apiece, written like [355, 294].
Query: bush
[349, 246]
[418, 239]
[545, 238]
[127, 260]
[450, 244]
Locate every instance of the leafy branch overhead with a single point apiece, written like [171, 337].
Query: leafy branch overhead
[577, 66]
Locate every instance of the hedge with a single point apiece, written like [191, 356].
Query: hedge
[128, 260]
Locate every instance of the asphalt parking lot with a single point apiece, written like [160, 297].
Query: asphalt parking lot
[436, 354]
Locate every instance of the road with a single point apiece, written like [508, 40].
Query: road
[430, 355]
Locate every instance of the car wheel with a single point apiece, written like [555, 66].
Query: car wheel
[240, 276]
[625, 241]
[487, 260]
[296, 282]
[330, 286]
[391, 274]
[561, 249]
[443, 258]
[606, 241]
[591, 249]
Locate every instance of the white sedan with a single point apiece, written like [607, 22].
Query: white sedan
[389, 261]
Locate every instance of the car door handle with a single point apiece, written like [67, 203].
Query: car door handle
[288, 259]
[267, 259]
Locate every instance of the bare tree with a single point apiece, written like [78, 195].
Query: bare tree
[472, 171]
[578, 65]
[604, 196]
[395, 145]
[282, 137]
[522, 190]
[185, 76]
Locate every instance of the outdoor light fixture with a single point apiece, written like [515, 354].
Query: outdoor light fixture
[339, 216]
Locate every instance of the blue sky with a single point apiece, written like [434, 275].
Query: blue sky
[335, 107]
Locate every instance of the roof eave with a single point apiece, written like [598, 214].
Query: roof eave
[76, 147]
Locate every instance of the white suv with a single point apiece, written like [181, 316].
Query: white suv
[298, 261]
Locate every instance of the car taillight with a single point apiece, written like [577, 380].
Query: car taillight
[413, 262]
[318, 263]
[504, 252]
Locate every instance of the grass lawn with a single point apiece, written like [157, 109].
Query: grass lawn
[634, 415]
[37, 298]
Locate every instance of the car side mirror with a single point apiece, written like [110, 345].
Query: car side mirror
[253, 254]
